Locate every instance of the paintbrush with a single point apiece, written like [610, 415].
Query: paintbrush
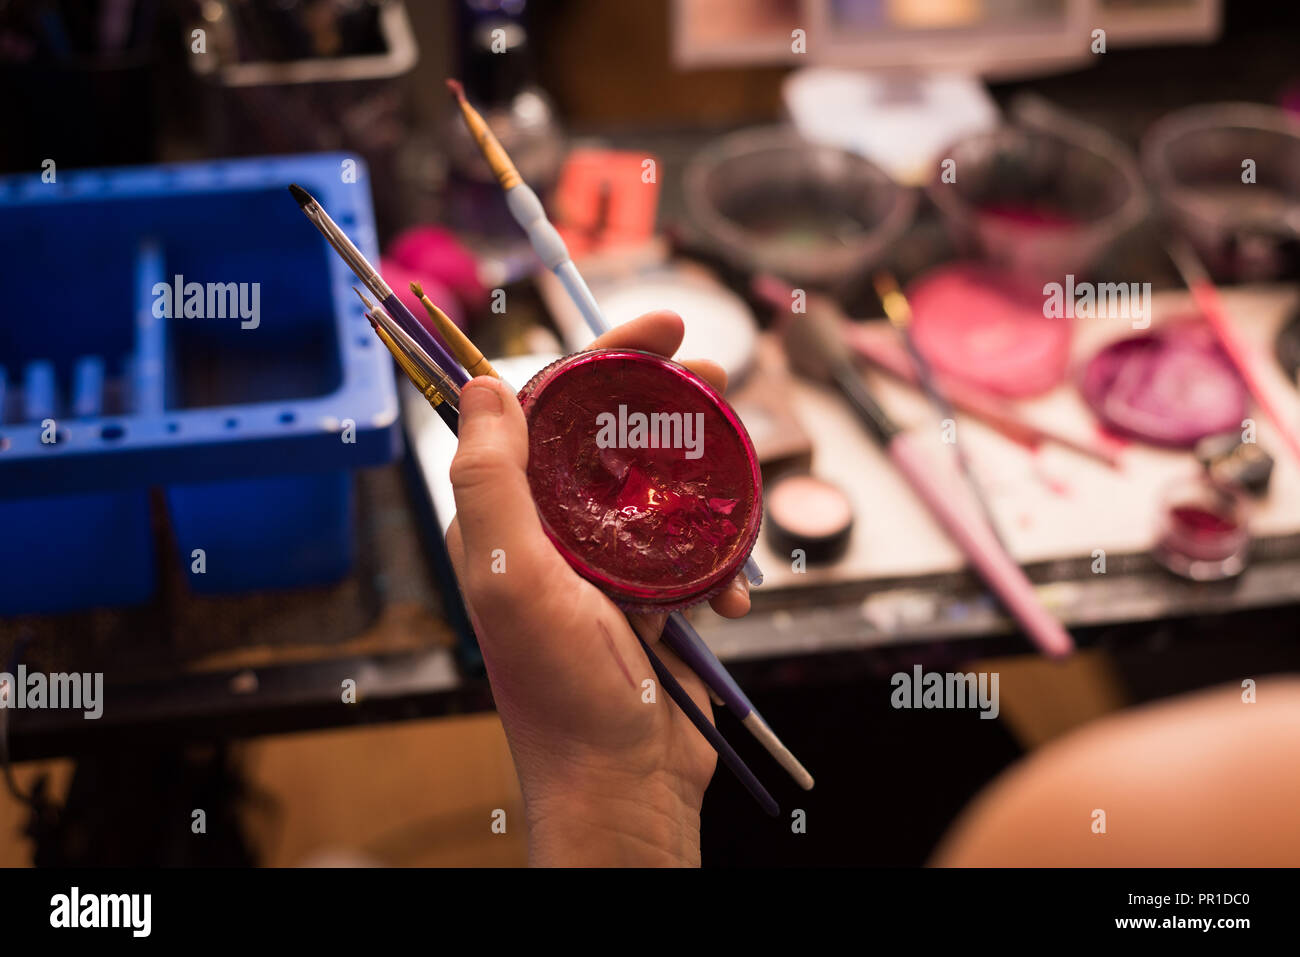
[467, 354]
[422, 373]
[882, 353]
[438, 390]
[899, 312]
[546, 241]
[1206, 296]
[816, 349]
[370, 277]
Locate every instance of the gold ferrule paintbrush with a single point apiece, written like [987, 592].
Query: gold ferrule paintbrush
[427, 389]
[897, 309]
[435, 389]
[462, 347]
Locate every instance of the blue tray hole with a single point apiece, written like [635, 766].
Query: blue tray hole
[293, 352]
[237, 236]
[74, 249]
[101, 251]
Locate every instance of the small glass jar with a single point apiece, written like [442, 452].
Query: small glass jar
[1204, 530]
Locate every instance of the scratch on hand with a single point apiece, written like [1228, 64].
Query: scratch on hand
[613, 650]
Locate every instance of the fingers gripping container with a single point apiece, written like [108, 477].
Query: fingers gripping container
[249, 404]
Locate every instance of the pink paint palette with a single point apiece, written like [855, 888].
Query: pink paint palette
[979, 326]
[1170, 388]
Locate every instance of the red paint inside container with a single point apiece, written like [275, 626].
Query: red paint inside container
[655, 528]
[1201, 522]
[1204, 535]
[1028, 216]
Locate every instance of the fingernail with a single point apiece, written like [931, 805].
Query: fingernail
[480, 397]
[741, 586]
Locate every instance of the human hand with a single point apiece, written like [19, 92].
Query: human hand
[607, 778]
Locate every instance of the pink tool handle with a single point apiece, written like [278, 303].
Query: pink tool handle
[968, 529]
[1207, 298]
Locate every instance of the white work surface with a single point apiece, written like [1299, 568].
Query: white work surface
[1051, 503]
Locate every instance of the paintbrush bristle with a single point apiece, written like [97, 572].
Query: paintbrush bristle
[417, 289]
[301, 195]
[456, 88]
[362, 296]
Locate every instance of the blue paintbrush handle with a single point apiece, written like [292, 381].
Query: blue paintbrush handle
[690, 647]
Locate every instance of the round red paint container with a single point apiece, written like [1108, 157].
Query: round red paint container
[644, 477]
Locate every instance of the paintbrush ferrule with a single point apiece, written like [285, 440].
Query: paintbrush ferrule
[346, 249]
[433, 353]
[427, 389]
[428, 347]
[420, 370]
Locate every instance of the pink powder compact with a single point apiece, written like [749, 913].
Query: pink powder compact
[644, 477]
[987, 329]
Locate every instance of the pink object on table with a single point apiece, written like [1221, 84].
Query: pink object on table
[952, 507]
[1206, 296]
[1171, 388]
[976, 325]
[1204, 533]
[880, 348]
[399, 277]
[438, 256]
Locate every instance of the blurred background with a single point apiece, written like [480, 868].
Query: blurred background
[739, 161]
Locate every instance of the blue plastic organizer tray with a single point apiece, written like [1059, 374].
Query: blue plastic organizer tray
[251, 426]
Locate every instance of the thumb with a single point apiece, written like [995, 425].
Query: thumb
[507, 555]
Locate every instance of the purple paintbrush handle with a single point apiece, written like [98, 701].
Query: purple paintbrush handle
[711, 734]
[444, 360]
[699, 657]
[971, 533]
[696, 655]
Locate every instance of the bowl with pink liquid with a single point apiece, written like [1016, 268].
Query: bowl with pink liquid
[1038, 200]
